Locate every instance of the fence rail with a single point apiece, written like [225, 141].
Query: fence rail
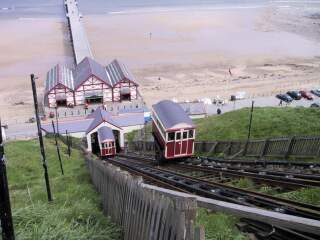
[274, 147]
[142, 212]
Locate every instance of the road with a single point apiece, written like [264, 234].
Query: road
[29, 130]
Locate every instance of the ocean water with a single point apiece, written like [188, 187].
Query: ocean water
[55, 8]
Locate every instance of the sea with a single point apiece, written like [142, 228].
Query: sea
[55, 8]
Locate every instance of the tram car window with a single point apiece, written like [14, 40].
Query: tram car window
[173, 131]
[106, 142]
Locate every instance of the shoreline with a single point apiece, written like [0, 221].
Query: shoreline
[191, 56]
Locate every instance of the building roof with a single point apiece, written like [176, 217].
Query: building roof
[172, 115]
[117, 72]
[59, 74]
[99, 116]
[74, 126]
[129, 119]
[95, 119]
[105, 134]
[194, 108]
[86, 68]
[111, 75]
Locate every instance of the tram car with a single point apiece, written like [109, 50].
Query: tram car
[173, 131]
[106, 142]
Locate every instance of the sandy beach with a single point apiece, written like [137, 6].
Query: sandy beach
[28, 45]
[182, 53]
[187, 54]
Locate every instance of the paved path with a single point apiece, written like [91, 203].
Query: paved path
[27, 130]
[258, 102]
[81, 46]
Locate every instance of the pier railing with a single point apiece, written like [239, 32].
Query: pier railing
[284, 147]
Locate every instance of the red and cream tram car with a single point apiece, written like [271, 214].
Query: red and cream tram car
[106, 142]
[173, 131]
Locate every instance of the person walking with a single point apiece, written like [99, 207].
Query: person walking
[280, 103]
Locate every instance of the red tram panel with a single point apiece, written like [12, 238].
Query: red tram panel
[106, 142]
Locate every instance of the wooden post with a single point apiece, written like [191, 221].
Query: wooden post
[249, 129]
[56, 108]
[265, 148]
[44, 162]
[199, 233]
[290, 146]
[57, 146]
[68, 143]
[5, 207]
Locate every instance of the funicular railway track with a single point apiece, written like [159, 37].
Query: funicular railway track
[284, 179]
[219, 191]
[180, 182]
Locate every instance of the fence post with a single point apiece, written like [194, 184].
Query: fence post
[188, 207]
[290, 146]
[265, 148]
[318, 153]
[5, 207]
[199, 233]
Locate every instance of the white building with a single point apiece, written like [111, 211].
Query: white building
[89, 82]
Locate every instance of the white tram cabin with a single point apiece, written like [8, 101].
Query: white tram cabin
[173, 131]
[106, 142]
[89, 83]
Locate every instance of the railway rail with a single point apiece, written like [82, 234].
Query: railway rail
[249, 162]
[173, 180]
[287, 180]
[219, 191]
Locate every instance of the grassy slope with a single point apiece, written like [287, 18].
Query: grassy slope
[267, 122]
[75, 212]
[219, 226]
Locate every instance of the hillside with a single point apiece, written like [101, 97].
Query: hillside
[267, 122]
[75, 212]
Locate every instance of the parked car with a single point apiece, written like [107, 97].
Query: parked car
[315, 104]
[284, 97]
[306, 95]
[294, 95]
[316, 92]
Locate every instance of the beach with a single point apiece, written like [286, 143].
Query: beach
[28, 45]
[183, 53]
[187, 54]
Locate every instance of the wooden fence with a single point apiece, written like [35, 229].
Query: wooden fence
[274, 147]
[143, 212]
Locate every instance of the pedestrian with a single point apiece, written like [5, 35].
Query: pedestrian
[218, 111]
[280, 103]
[230, 72]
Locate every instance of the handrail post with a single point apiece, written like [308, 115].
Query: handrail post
[290, 146]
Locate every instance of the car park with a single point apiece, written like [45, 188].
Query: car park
[284, 97]
[316, 92]
[315, 104]
[307, 95]
[294, 95]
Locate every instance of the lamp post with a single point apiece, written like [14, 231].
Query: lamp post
[43, 155]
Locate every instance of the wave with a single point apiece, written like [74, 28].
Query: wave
[175, 9]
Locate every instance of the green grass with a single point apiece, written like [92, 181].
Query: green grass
[305, 195]
[219, 226]
[267, 122]
[75, 212]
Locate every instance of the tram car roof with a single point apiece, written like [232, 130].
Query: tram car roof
[105, 134]
[172, 115]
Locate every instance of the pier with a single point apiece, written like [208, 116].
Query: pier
[80, 43]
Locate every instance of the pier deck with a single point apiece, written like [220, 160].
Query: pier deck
[80, 43]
